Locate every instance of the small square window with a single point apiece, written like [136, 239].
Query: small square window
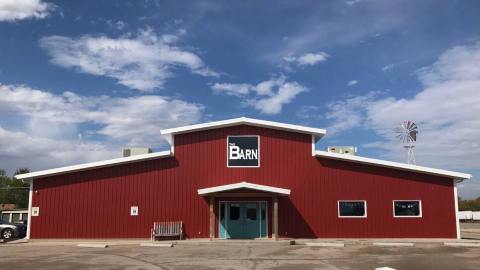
[352, 209]
[252, 213]
[234, 211]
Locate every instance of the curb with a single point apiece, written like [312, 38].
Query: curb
[453, 244]
[311, 244]
[93, 245]
[156, 244]
[393, 244]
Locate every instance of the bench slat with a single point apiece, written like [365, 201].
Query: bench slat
[169, 228]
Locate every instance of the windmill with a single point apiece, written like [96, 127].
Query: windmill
[407, 134]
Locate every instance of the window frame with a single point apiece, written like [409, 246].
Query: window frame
[415, 200]
[338, 208]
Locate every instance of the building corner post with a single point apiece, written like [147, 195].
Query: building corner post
[29, 217]
[212, 218]
[457, 221]
[275, 218]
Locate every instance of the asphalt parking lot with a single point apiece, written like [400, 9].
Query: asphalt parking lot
[238, 256]
[242, 255]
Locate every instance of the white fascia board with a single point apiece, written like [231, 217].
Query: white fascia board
[205, 191]
[317, 132]
[394, 165]
[93, 165]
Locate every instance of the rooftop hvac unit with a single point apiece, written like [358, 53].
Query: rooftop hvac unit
[127, 152]
[350, 150]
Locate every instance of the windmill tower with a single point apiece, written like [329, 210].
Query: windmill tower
[407, 134]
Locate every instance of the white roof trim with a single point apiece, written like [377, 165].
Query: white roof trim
[92, 165]
[317, 132]
[391, 164]
[206, 191]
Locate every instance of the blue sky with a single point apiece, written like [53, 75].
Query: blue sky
[79, 80]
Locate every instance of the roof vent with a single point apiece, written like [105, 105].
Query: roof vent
[127, 152]
[349, 150]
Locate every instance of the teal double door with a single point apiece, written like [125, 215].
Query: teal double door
[243, 220]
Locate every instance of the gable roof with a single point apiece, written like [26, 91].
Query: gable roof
[242, 185]
[93, 165]
[316, 132]
[394, 165]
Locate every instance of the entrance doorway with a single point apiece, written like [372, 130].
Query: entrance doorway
[243, 220]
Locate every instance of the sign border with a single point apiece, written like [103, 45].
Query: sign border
[259, 154]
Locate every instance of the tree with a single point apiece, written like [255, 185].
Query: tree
[12, 190]
[469, 205]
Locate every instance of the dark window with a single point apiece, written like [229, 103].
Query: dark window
[407, 208]
[252, 213]
[15, 217]
[352, 208]
[5, 217]
[234, 212]
[222, 211]
[263, 214]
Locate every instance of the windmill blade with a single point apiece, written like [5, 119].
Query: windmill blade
[412, 127]
[413, 135]
[407, 132]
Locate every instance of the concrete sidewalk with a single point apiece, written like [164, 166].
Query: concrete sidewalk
[237, 255]
[220, 242]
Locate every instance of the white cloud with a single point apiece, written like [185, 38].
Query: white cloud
[307, 59]
[446, 110]
[119, 25]
[14, 10]
[268, 97]
[388, 67]
[352, 2]
[349, 113]
[144, 62]
[21, 149]
[274, 103]
[232, 88]
[52, 121]
[309, 115]
[352, 83]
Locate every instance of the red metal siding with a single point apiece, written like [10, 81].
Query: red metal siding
[96, 203]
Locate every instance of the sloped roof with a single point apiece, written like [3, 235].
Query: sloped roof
[316, 132]
[394, 165]
[94, 165]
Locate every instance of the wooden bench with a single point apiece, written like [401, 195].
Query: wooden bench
[167, 229]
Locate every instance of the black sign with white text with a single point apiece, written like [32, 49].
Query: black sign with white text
[243, 151]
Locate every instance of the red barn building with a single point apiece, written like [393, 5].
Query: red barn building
[244, 178]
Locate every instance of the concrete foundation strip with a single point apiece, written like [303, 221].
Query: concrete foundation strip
[461, 244]
[93, 245]
[324, 244]
[393, 244]
[156, 244]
